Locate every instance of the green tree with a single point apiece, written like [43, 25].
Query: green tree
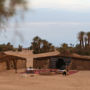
[6, 47]
[9, 46]
[20, 48]
[36, 44]
[41, 46]
[65, 50]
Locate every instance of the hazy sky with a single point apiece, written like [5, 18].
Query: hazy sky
[58, 21]
[61, 4]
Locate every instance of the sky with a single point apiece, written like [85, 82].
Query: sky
[57, 21]
[61, 4]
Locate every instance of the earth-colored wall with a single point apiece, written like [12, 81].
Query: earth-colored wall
[41, 64]
[3, 66]
[21, 64]
[77, 64]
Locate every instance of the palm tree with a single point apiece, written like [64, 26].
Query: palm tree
[20, 48]
[45, 46]
[81, 38]
[36, 39]
[41, 46]
[86, 39]
[36, 44]
[88, 35]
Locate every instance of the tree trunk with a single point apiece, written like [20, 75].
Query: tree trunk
[80, 44]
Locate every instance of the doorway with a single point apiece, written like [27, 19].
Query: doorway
[60, 64]
[57, 63]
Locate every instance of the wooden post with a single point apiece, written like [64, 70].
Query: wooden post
[8, 64]
[15, 65]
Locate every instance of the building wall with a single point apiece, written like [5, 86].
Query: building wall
[41, 64]
[29, 62]
[76, 64]
[21, 64]
[3, 66]
[80, 64]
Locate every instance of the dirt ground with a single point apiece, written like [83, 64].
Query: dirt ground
[11, 81]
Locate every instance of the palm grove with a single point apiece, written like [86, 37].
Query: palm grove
[83, 47]
[39, 45]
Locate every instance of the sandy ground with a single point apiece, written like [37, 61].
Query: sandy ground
[11, 81]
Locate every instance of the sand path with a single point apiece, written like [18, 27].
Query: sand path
[11, 81]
